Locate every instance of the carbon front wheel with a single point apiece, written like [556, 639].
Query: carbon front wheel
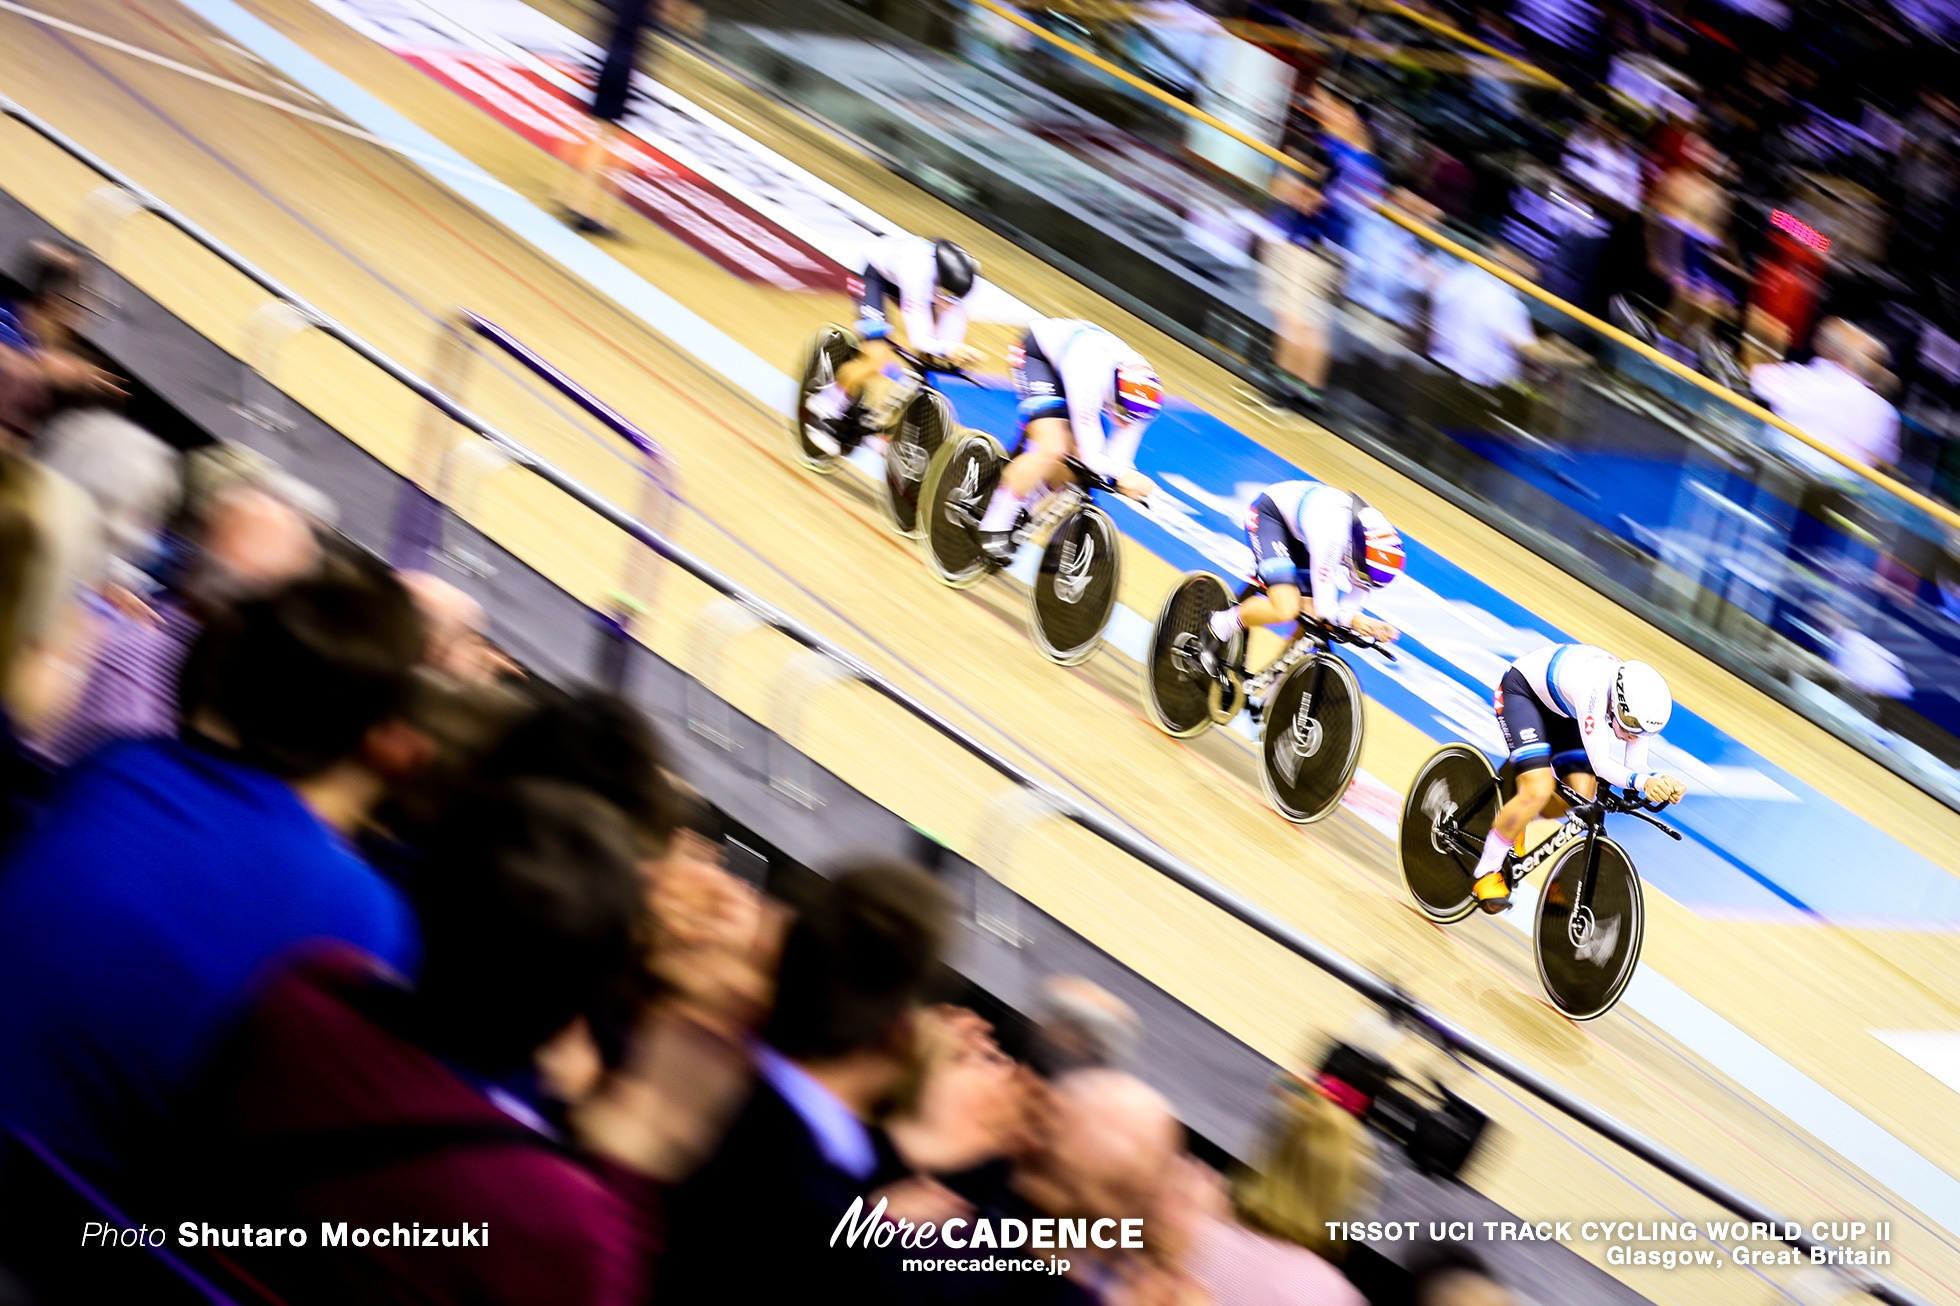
[1175, 687]
[1445, 818]
[1074, 591]
[1586, 955]
[1310, 746]
[921, 429]
[828, 348]
[959, 482]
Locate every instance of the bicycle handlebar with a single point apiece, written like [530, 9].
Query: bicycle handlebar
[1344, 635]
[926, 366]
[1093, 479]
[1609, 800]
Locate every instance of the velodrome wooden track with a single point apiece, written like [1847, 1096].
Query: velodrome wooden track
[371, 239]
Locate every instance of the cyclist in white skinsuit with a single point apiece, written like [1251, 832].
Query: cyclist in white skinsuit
[1577, 711]
[1069, 376]
[931, 280]
[1342, 547]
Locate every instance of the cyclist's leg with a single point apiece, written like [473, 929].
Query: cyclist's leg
[1573, 771]
[875, 356]
[1280, 567]
[1045, 440]
[1529, 734]
[1035, 469]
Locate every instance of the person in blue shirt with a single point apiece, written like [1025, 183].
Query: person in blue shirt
[165, 878]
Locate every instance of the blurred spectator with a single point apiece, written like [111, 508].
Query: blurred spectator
[54, 559]
[1454, 1276]
[599, 741]
[136, 913]
[348, 1096]
[458, 643]
[715, 938]
[975, 1106]
[1447, 182]
[247, 543]
[1832, 400]
[1111, 1150]
[50, 555]
[1689, 234]
[1083, 1026]
[585, 194]
[1389, 269]
[1300, 274]
[1355, 183]
[1317, 1165]
[840, 1051]
[590, 185]
[133, 477]
[1479, 325]
[1600, 157]
[39, 362]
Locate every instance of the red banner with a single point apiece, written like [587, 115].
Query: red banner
[679, 199]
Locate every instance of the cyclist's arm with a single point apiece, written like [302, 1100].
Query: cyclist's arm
[1120, 448]
[1325, 525]
[915, 307]
[916, 283]
[1089, 381]
[944, 333]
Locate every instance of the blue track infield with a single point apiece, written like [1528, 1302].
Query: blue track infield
[1760, 842]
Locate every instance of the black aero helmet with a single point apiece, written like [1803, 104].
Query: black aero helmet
[956, 268]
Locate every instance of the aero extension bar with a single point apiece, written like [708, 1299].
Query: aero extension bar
[1365, 982]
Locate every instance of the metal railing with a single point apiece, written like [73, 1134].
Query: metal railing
[826, 660]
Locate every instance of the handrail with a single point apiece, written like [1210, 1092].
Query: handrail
[1750, 407]
[1680, 369]
[598, 409]
[1383, 994]
[1442, 28]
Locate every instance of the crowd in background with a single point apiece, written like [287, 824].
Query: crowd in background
[1719, 179]
[315, 907]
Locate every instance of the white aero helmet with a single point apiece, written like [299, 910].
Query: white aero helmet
[1641, 699]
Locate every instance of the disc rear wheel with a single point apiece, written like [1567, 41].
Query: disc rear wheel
[1175, 687]
[1445, 819]
[1074, 590]
[1309, 749]
[921, 429]
[959, 482]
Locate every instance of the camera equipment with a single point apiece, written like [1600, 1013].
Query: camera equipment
[1438, 1130]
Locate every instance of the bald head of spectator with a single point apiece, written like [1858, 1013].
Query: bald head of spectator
[1856, 351]
[457, 646]
[1112, 1139]
[252, 543]
[132, 476]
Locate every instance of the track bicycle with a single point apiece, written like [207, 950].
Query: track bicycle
[1591, 915]
[1073, 594]
[1307, 701]
[923, 423]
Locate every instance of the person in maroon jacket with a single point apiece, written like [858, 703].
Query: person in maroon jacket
[415, 1116]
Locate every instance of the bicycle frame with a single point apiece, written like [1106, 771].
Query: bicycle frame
[1311, 637]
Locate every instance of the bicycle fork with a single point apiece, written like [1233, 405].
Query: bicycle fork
[1303, 732]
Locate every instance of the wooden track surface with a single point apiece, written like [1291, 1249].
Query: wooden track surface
[375, 242]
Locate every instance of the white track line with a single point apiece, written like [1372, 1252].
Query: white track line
[237, 88]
